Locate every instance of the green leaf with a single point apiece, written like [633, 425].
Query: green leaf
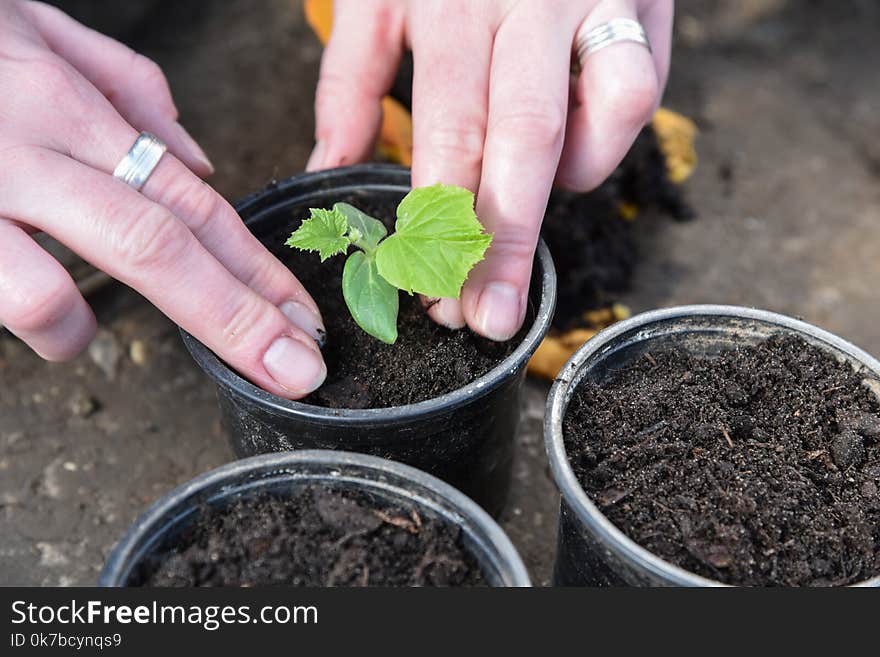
[372, 301]
[372, 230]
[323, 232]
[437, 241]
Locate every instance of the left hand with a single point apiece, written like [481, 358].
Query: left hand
[495, 110]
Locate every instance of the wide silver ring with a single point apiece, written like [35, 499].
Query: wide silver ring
[140, 161]
[614, 31]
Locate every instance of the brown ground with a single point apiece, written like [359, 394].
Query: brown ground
[787, 192]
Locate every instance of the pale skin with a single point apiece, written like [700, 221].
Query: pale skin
[494, 110]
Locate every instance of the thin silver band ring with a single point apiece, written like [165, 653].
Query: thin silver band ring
[140, 161]
[614, 31]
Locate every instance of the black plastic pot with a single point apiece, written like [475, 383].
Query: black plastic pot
[157, 529]
[590, 550]
[464, 437]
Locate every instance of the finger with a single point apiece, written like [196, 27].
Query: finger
[142, 244]
[221, 231]
[656, 17]
[99, 137]
[134, 84]
[450, 103]
[39, 301]
[615, 96]
[528, 96]
[357, 69]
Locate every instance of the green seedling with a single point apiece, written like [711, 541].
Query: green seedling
[437, 239]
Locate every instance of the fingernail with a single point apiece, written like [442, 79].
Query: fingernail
[194, 149]
[446, 312]
[306, 319]
[498, 314]
[316, 159]
[295, 366]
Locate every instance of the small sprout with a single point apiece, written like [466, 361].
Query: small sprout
[437, 241]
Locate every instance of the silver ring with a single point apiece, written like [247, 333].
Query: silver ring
[140, 161]
[614, 31]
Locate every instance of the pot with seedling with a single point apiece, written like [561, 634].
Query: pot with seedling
[314, 518]
[710, 445]
[399, 385]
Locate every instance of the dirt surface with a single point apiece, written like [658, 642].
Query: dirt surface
[787, 191]
[362, 372]
[758, 467]
[320, 537]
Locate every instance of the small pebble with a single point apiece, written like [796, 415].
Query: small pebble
[12, 438]
[138, 352]
[105, 352]
[734, 394]
[719, 557]
[741, 427]
[868, 425]
[82, 404]
[847, 449]
[705, 433]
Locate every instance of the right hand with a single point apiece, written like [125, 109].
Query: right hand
[73, 103]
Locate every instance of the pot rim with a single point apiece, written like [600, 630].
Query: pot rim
[227, 377]
[569, 377]
[117, 564]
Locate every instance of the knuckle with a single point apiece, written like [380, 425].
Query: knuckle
[514, 243]
[150, 74]
[15, 157]
[632, 99]
[55, 79]
[148, 70]
[154, 240]
[462, 143]
[332, 88]
[264, 273]
[579, 181]
[51, 73]
[151, 78]
[193, 201]
[340, 87]
[242, 320]
[37, 310]
[537, 122]
[52, 92]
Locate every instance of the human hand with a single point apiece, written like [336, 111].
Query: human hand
[73, 103]
[494, 110]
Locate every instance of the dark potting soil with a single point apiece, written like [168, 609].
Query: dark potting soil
[320, 537]
[362, 372]
[758, 467]
[593, 247]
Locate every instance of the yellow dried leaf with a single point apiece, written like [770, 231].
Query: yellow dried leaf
[554, 351]
[395, 137]
[620, 312]
[628, 211]
[676, 135]
[319, 16]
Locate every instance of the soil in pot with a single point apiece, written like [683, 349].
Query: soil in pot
[759, 466]
[362, 372]
[319, 537]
